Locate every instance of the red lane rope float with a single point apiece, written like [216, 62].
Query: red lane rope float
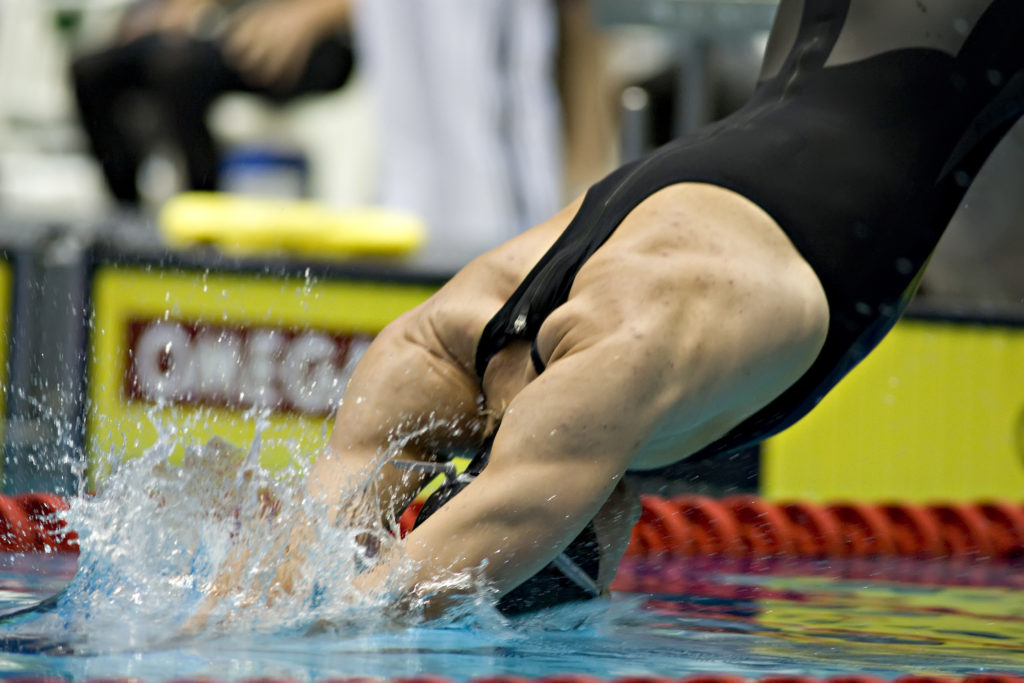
[964, 529]
[740, 526]
[815, 532]
[914, 532]
[1005, 527]
[788, 679]
[30, 522]
[715, 529]
[765, 529]
[745, 526]
[571, 678]
[15, 534]
[50, 531]
[579, 678]
[863, 530]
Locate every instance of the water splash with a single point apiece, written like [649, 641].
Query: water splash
[157, 541]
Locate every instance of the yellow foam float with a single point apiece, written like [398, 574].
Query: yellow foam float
[255, 225]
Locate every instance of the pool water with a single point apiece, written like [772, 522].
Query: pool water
[708, 617]
[155, 540]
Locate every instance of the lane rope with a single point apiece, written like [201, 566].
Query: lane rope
[749, 527]
[31, 522]
[738, 526]
[574, 678]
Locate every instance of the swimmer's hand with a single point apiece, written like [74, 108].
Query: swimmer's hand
[240, 582]
[221, 475]
[167, 17]
[234, 491]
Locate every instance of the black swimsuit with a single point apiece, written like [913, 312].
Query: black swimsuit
[860, 144]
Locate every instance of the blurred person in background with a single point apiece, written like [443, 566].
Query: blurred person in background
[183, 55]
[468, 112]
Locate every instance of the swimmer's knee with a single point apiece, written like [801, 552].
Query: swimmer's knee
[809, 311]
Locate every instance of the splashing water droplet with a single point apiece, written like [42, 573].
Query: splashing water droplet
[157, 537]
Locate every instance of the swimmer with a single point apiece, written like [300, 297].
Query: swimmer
[694, 302]
[183, 55]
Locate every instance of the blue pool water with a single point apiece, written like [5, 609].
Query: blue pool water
[803, 620]
[155, 539]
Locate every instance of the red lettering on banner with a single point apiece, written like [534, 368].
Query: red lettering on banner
[239, 366]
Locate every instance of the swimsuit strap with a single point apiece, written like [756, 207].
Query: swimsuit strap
[547, 286]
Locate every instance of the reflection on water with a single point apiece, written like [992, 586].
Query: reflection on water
[816, 618]
[707, 617]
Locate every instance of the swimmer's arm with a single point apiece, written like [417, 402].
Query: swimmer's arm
[406, 389]
[565, 441]
[167, 16]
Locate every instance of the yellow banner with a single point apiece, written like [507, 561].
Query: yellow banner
[195, 355]
[935, 413]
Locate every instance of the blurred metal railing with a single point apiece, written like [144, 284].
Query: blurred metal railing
[704, 16]
[694, 25]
